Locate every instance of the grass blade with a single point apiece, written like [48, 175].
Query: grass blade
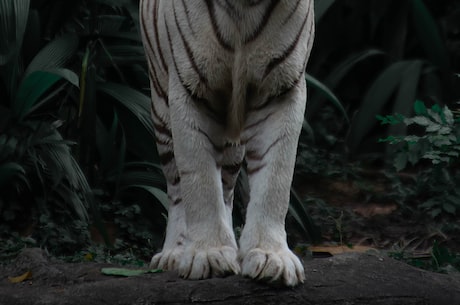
[429, 36]
[374, 101]
[323, 89]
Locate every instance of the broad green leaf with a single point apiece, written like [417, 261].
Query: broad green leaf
[348, 64]
[304, 221]
[13, 22]
[428, 34]
[31, 90]
[400, 162]
[327, 93]
[156, 192]
[433, 128]
[334, 78]
[142, 177]
[127, 272]
[420, 108]
[55, 54]
[406, 94]
[420, 120]
[66, 74]
[449, 208]
[448, 115]
[133, 100]
[11, 170]
[321, 7]
[374, 101]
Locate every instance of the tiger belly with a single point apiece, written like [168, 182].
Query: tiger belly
[228, 86]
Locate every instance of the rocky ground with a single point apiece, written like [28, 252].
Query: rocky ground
[352, 278]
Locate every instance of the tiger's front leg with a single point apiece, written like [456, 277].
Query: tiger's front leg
[272, 136]
[210, 247]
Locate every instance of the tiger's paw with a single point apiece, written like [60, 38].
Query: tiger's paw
[273, 266]
[204, 263]
[168, 259]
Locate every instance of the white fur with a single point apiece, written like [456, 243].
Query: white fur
[199, 240]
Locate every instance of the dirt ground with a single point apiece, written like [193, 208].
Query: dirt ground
[353, 278]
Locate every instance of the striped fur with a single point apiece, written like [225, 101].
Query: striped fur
[227, 85]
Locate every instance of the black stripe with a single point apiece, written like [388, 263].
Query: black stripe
[292, 12]
[264, 21]
[188, 51]
[157, 36]
[253, 155]
[252, 171]
[217, 148]
[232, 169]
[187, 16]
[284, 90]
[199, 101]
[161, 128]
[176, 180]
[278, 60]
[259, 121]
[229, 9]
[156, 85]
[166, 157]
[215, 26]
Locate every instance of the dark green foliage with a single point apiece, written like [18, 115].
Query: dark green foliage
[76, 141]
[439, 142]
[42, 188]
[377, 57]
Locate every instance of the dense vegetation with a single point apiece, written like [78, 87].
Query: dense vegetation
[78, 163]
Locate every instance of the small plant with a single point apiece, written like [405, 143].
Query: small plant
[439, 142]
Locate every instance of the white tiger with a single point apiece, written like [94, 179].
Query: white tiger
[227, 85]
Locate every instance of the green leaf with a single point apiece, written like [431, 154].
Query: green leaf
[429, 36]
[449, 208]
[127, 272]
[400, 161]
[134, 101]
[13, 22]
[348, 64]
[419, 120]
[374, 101]
[159, 194]
[406, 94]
[321, 7]
[334, 78]
[420, 108]
[66, 74]
[31, 90]
[10, 171]
[55, 54]
[304, 221]
[327, 93]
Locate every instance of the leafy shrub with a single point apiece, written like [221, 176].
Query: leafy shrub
[438, 142]
[42, 188]
[376, 56]
[76, 145]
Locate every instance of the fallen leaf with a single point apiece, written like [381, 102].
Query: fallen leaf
[127, 272]
[88, 257]
[21, 278]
